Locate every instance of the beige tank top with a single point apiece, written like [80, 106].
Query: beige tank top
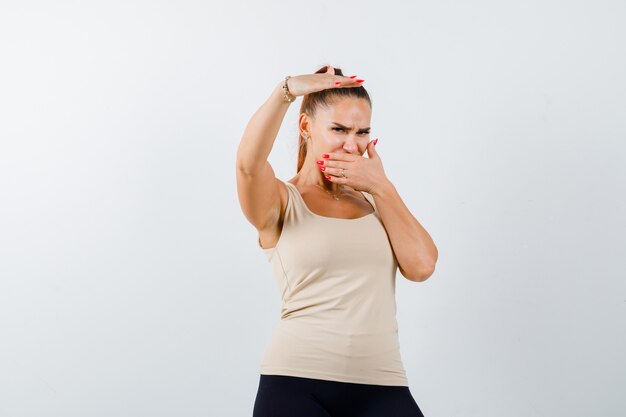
[336, 278]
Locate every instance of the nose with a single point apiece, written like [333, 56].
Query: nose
[350, 146]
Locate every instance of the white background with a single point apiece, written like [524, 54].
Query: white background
[131, 283]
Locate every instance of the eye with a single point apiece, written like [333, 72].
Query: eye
[360, 133]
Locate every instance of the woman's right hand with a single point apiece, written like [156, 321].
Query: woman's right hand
[300, 85]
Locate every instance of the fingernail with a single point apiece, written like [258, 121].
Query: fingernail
[359, 81]
[375, 141]
[325, 155]
[353, 76]
[327, 177]
[337, 82]
[323, 168]
[320, 162]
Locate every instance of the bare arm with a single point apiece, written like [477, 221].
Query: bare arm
[414, 248]
[257, 186]
[261, 194]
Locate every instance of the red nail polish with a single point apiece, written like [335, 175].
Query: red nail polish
[337, 82]
[375, 141]
[327, 177]
[325, 155]
[353, 76]
[323, 168]
[359, 81]
[320, 162]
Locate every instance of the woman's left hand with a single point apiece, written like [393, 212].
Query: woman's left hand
[362, 174]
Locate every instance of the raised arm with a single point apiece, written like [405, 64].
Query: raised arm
[261, 195]
[258, 188]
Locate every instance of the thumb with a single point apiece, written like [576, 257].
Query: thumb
[371, 149]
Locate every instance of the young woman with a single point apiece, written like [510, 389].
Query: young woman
[335, 235]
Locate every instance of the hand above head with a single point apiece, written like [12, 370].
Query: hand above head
[300, 85]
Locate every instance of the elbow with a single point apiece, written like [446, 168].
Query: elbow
[421, 274]
[427, 274]
[427, 269]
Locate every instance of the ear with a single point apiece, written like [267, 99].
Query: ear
[303, 122]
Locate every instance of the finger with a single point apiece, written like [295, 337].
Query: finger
[331, 171]
[334, 171]
[347, 82]
[339, 180]
[333, 164]
[371, 149]
[339, 156]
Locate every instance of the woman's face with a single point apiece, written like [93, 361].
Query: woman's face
[344, 127]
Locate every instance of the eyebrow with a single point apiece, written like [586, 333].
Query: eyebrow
[347, 128]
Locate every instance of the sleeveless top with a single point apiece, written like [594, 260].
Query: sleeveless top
[336, 279]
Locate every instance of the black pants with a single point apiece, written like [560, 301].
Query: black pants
[290, 396]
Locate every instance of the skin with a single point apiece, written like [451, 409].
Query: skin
[263, 197]
[326, 136]
[414, 249]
